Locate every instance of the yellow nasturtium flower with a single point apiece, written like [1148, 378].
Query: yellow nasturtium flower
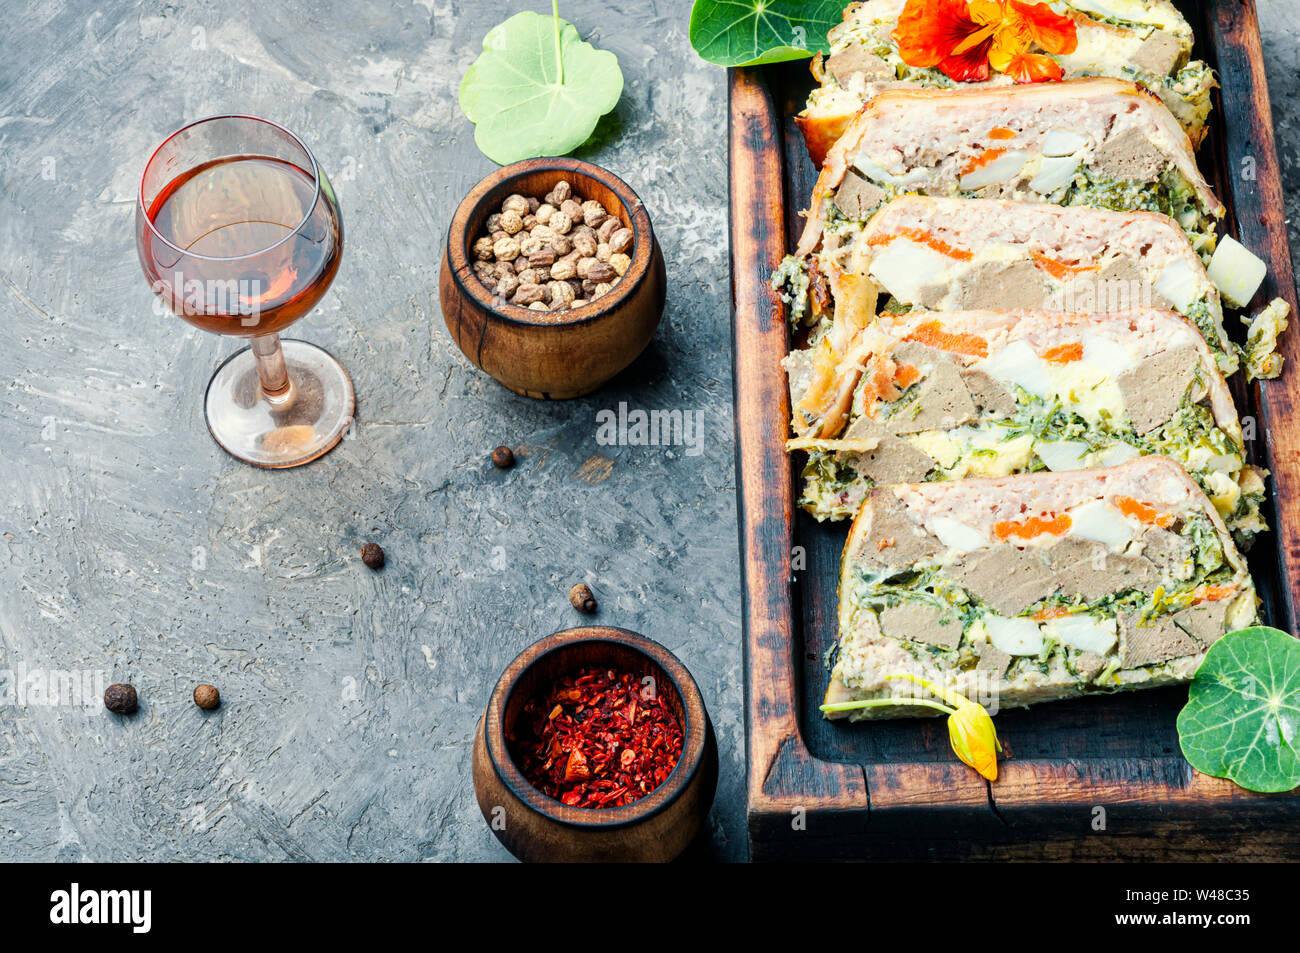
[970, 727]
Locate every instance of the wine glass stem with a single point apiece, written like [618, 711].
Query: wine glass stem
[271, 369]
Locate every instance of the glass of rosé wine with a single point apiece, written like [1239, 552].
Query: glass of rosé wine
[239, 233]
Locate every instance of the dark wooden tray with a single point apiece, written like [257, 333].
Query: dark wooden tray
[894, 790]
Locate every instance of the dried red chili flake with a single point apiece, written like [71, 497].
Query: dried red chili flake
[597, 738]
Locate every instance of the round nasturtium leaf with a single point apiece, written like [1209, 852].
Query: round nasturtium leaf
[752, 32]
[1242, 718]
[525, 100]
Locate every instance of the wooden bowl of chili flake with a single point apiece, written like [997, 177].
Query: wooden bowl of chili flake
[595, 746]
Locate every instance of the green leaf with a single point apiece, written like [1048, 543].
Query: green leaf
[751, 32]
[537, 89]
[1242, 718]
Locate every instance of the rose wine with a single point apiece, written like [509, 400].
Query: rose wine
[260, 247]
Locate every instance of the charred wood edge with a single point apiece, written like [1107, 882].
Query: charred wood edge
[782, 776]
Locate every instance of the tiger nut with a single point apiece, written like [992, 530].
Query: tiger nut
[607, 228]
[601, 271]
[372, 554]
[506, 250]
[560, 293]
[548, 253]
[506, 286]
[620, 240]
[593, 213]
[564, 268]
[207, 697]
[603, 288]
[529, 292]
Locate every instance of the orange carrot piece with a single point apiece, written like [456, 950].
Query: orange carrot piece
[1001, 132]
[1064, 353]
[1143, 512]
[980, 161]
[1050, 612]
[1059, 269]
[906, 376]
[932, 334]
[924, 238]
[1213, 593]
[1057, 524]
[882, 370]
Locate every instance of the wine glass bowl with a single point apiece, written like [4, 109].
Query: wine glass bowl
[239, 233]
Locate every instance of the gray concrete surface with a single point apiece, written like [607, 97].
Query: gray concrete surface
[131, 545]
[132, 548]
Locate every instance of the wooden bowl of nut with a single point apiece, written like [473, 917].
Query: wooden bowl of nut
[595, 746]
[552, 281]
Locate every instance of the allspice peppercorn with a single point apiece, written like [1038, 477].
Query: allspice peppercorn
[582, 599]
[372, 555]
[120, 698]
[207, 697]
[503, 458]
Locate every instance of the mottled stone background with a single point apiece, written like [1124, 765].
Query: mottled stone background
[131, 547]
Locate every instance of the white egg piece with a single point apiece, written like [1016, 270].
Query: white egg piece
[1014, 636]
[1061, 455]
[1102, 523]
[1084, 632]
[956, 535]
[904, 267]
[1017, 364]
[1002, 169]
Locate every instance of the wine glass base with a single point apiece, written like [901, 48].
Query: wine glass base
[306, 423]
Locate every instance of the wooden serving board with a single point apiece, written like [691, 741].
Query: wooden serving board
[1095, 778]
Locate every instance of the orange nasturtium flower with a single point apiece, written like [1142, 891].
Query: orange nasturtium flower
[970, 728]
[964, 38]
